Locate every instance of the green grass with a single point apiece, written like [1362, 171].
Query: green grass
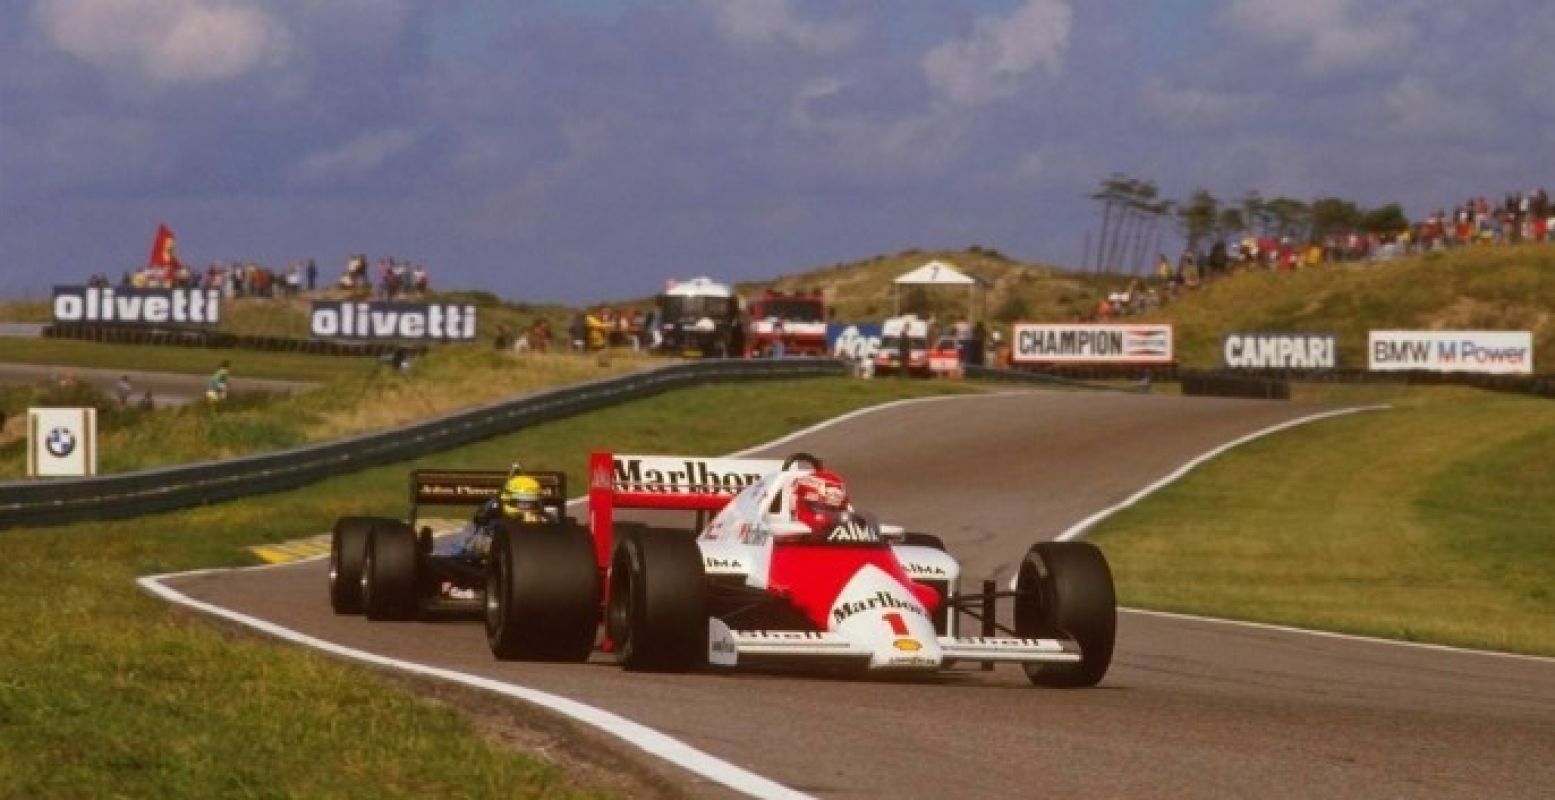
[365, 398]
[105, 691]
[1429, 522]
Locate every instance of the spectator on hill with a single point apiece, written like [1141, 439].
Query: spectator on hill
[147, 402]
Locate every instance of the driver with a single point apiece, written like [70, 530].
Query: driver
[820, 501]
[519, 501]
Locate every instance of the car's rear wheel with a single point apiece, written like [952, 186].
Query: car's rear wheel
[389, 572]
[658, 618]
[542, 592]
[1065, 590]
[347, 553]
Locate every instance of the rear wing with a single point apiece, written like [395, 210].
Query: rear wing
[675, 483]
[469, 487]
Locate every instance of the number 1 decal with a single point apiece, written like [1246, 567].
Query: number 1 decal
[898, 625]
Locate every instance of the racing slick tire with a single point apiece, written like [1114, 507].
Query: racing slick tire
[389, 572]
[347, 551]
[542, 592]
[658, 614]
[1064, 590]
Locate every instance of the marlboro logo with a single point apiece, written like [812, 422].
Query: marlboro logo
[688, 475]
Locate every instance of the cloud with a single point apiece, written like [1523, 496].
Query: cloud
[1418, 108]
[1331, 36]
[359, 156]
[1198, 107]
[988, 64]
[772, 21]
[167, 42]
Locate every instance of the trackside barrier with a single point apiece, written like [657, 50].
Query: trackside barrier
[1226, 384]
[134, 493]
[189, 337]
[1542, 385]
[974, 372]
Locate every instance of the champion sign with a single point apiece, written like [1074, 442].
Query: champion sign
[344, 319]
[137, 306]
[1091, 344]
[1500, 352]
[1280, 351]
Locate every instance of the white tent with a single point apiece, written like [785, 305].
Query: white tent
[938, 273]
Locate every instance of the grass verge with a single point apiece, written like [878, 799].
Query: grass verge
[360, 399]
[66, 353]
[105, 691]
[1429, 522]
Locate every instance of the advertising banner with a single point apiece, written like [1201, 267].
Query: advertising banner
[417, 322]
[1090, 343]
[1260, 350]
[124, 306]
[853, 341]
[61, 442]
[1499, 352]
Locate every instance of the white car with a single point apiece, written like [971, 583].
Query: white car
[751, 585]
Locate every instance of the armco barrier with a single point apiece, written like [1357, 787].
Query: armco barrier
[195, 337]
[133, 493]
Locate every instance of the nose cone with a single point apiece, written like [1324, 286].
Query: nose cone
[876, 611]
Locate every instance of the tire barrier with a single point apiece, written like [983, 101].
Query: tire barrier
[130, 494]
[189, 337]
[972, 372]
[1221, 384]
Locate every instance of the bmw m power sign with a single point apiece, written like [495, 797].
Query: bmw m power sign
[61, 442]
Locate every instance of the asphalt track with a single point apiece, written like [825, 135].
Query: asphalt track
[1191, 708]
[167, 388]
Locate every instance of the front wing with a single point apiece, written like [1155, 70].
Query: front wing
[745, 646]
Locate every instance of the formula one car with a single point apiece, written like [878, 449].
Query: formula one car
[784, 571]
[389, 570]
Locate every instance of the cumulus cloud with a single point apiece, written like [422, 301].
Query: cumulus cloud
[167, 42]
[988, 64]
[747, 22]
[358, 156]
[1418, 108]
[1330, 36]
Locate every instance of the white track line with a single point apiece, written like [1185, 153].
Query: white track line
[649, 740]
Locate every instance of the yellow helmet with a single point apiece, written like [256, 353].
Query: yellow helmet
[520, 495]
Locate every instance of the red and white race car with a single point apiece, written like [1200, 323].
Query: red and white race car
[781, 569]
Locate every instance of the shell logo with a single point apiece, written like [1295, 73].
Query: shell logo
[907, 645]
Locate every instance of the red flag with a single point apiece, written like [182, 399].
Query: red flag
[164, 252]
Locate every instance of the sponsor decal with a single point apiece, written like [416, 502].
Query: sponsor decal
[853, 342]
[925, 570]
[852, 530]
[123, 306]
[783, 636]
[880, 600]
[60, 442]
[345, 319]
[1279, 351]
[1499, 352]
[1092, 344]
[907, 645]
[714, 562]
[686, 476]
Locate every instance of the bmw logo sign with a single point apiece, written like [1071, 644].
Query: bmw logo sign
[60, 442]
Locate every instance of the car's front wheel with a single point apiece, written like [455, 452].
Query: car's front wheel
[1065, 590]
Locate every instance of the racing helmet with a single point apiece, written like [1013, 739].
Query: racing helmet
[520, 496]
[820, 500]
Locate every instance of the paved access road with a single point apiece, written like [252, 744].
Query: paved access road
[1190, 708]
[167, 388]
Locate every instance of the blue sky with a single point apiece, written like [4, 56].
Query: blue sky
[591, 149]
